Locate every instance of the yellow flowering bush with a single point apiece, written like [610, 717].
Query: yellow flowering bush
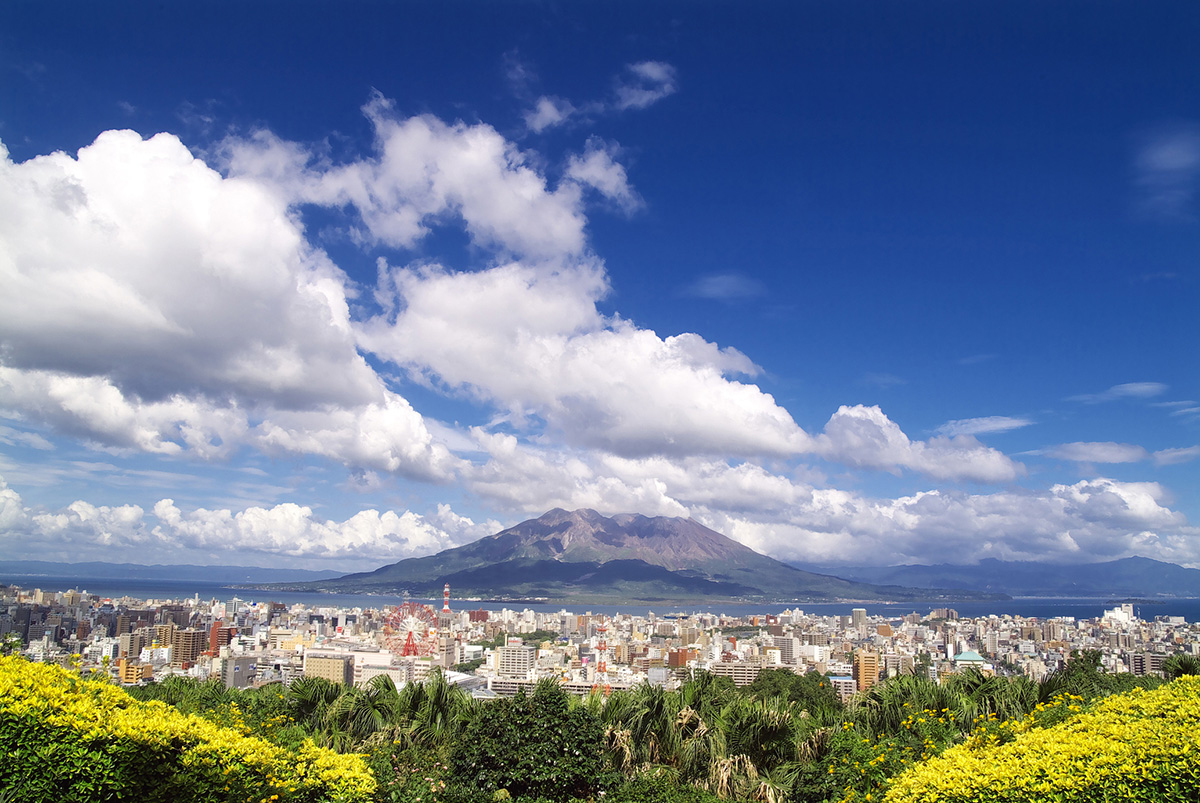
[66, 738]
[865, 766]
[1138, 746]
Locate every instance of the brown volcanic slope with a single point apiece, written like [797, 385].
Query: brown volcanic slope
[582, 555]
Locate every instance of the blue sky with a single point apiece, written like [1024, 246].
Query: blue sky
[331, 286]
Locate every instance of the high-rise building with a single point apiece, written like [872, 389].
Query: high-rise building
[789, 648]
[219, 636]
[866, 668]
[858, 619]
[186, 646]
[515, 661]
[164, 635]
[131, 644]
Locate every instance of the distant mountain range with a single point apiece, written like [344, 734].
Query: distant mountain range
[133, 571]
[1127, 577]
[584, 556]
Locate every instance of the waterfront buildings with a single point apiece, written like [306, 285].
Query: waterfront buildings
[497, 652]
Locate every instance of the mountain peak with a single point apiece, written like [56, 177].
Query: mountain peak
[627, 556]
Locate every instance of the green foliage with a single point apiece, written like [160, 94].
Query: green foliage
[64, 738]
[409, 776]
[534, 638]
[659, 785]
[262, 712]
[813, 692]
[1083, 675]
[11, 643]
[467, 667]
[309, 699]
[1178, 666]
[706, 692]
[532, 746]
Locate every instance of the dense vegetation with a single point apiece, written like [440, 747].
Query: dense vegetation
[64, 738]
[784, 739]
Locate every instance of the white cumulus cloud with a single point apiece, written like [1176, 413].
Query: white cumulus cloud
[424, 170]
[864, 436]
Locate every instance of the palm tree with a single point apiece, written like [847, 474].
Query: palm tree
[701, 747]
[982, 696]
[431, 714]
[359, 713]
[886, 705]
[1179, 665]
[652, 723]
[761, 730]
[309, 698]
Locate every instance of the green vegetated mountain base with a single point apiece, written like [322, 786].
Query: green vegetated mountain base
[586, 557]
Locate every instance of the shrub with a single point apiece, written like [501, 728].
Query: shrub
[1138, 746]
[535, 746]
[660, 785]
[65, 738]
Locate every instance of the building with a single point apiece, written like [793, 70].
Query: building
[866, 668]
[132, 672]
[681, 658]
[789, 648]
[163, 635]
[844, 685]
[334, 668]
[741, 673]
[858, 619]
[1146, 663]
[187, 645]
[132, 644]
[238, 671]
[515, 661]
[970, 658]
[219, 636]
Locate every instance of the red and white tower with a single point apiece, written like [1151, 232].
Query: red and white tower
[602, 650]
[446, 599]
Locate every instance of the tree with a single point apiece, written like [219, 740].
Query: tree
[1179, 665]
[1084, 675]
[309, 698]
[432, 714]
[813, 692]
[536, 746]
[359, 713]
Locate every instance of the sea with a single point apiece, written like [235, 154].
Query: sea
[1029, 607]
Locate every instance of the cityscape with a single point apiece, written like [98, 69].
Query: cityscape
[498, 652]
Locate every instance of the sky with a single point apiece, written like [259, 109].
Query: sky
[334, 285]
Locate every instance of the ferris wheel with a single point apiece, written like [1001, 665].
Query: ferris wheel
[411, 630]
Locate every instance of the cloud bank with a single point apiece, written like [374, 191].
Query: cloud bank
[159, 305]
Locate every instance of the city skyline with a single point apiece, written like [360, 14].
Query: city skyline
[848, 284]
